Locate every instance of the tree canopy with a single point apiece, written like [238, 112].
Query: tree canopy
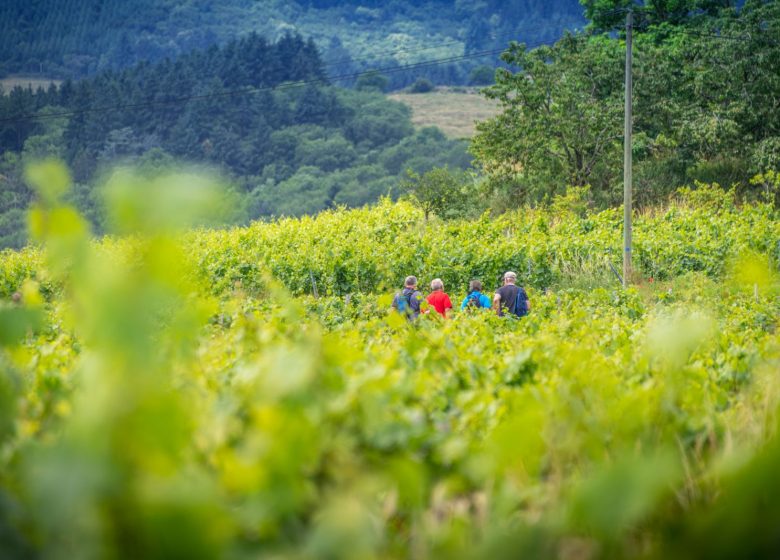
[705, 107]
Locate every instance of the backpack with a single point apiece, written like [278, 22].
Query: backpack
[473, 301]
[405, 303]
[521, 302]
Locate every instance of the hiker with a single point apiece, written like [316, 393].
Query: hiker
[475, 298]
[511, 299]
[408, 301]
[438, 299]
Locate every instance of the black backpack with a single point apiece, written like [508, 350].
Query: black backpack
[473, 301]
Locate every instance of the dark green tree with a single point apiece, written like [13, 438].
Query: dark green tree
[372, 81]
[482, 76]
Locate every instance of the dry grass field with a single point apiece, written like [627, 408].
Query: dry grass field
[453, 110]
[12, 81]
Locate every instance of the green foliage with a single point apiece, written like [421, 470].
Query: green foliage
[553, 131]
[576, 200]
[422, 86]
[145, 417]
[379, 122]
[372, 81]
[768, 187]
[605, 15]
[15, 197]
[700, 105]
[702, 229]
[327, 154]
[289, 152]
[482, 76]
[76, 38]
[439, 191]
[425, 149]
[306, 192]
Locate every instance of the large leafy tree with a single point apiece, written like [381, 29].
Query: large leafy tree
[561, 118]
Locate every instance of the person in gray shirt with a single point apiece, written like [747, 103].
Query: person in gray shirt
[408, 300]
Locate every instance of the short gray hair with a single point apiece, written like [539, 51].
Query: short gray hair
[410, 281]
[437, 284]
[509, 275]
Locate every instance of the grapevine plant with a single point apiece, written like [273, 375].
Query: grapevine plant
[169, 392]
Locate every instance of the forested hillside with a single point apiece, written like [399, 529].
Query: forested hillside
[705, 109]
[289, 149]
[73, 38]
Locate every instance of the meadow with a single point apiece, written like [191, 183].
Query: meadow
[452, 110]
[200, 393]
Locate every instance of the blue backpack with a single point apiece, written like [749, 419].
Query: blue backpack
[473, 301]
[521, 302]
[405, 303]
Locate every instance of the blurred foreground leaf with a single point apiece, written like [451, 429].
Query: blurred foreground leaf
[50, 180]
[621, 495]
[18, 322]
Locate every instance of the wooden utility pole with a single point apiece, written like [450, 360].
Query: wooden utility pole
[627, 179]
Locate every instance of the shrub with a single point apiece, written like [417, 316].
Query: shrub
[422, 85]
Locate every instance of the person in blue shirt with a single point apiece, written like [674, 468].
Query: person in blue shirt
[476, 299]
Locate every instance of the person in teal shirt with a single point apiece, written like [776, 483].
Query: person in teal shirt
[476, 299]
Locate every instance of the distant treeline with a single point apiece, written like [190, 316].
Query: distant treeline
[76, 38]
[289, 147]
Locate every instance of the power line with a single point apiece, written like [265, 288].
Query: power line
[255, 90]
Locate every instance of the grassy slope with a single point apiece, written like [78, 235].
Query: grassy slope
[453, 110]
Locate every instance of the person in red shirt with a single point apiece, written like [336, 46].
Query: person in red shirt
[438, 299]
